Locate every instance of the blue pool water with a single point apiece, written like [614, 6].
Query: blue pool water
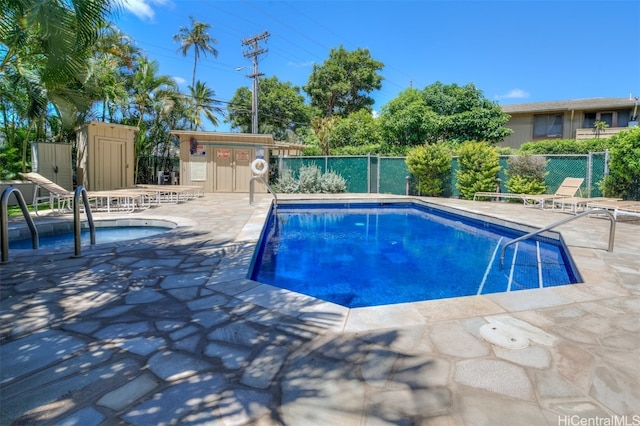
[360, 255]
[103, 235]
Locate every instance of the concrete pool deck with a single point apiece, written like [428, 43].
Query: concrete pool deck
[168, 330]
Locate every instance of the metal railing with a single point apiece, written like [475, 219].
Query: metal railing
[4, 219]
[252, 189]
[612, 230]
[80, 191]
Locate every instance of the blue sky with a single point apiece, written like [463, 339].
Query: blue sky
[514, 51]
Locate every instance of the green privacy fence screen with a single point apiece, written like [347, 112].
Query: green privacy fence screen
[389, 175]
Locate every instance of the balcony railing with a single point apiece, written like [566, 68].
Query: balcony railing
[604, 133]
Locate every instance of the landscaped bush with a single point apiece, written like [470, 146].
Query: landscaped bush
[624, 166]
[478, 168]
[565, 146]
[333, 183]
[526, 174]
[311, 181]
[287, 183]
[431, 166]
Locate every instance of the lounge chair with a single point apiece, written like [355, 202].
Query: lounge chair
[568, 188]
[119, 200]
[573, 204]
[619, 208]
[59, 198]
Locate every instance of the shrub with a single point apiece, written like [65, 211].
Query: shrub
[287, 183]
[624, 166]
[526, 174]
[431, 166]
[565, 146]
[311, 181]
[333, 183]
[478, 168]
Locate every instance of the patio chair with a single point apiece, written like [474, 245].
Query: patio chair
[619, 208]
[568, 188]
[573, 204]
[59, 198]
[119, 200]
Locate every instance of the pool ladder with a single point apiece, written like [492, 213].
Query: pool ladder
[4, 220]
[612, 230]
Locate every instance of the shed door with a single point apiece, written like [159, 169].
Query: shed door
[242, 166]
[110, 165]
[223, 180]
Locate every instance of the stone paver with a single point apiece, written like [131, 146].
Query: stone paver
[169, 330]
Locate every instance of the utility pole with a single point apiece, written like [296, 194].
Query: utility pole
[252, 52]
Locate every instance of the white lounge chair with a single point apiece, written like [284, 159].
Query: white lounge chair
[568, 188]
[59, 198]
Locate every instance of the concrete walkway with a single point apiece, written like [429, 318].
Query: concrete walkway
[168, 330]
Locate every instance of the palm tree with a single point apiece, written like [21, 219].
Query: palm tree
[46, 46]
[203, 102]
[198, 38]
[151, 94]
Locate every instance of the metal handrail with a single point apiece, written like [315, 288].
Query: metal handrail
[252, 185]
[76, 218]
[612, 230]
[4, 219]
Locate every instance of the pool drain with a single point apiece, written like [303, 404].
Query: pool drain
[502, 335]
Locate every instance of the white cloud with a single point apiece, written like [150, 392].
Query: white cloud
[143, 8]
[180, 80]
[514, 94]
[300, 64]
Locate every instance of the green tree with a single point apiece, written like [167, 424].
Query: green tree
[624, 166]
[465, 114]
[44, 48]
[478, 168]
[358, 129]
[322, 128]
[407, 120]
[202, 102]
[150, 95]
[198, 38]
[343, 83]
[281, 108]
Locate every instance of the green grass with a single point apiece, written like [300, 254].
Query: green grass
[17, 211]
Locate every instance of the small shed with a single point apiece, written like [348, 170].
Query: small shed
[221, 162]
[53, 161]
[105, 155]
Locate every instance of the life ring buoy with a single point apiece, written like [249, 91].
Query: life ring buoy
[259, 166]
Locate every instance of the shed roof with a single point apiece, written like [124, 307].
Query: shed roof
[576, 104]
[258, 139]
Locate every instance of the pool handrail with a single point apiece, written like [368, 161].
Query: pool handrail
[80, 191]
[4, 219]
[612, 230]
[252, 189]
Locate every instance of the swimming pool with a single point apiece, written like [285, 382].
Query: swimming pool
[360, 254]
[56, 236]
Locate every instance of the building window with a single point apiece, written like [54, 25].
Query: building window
[547, 126]
[612, 118]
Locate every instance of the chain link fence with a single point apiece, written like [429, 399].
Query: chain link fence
[390, 175]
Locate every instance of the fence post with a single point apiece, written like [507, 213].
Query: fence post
[589, 173]
[369, 173]
[378, 174]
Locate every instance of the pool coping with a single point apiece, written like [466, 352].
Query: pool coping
[338, 318]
